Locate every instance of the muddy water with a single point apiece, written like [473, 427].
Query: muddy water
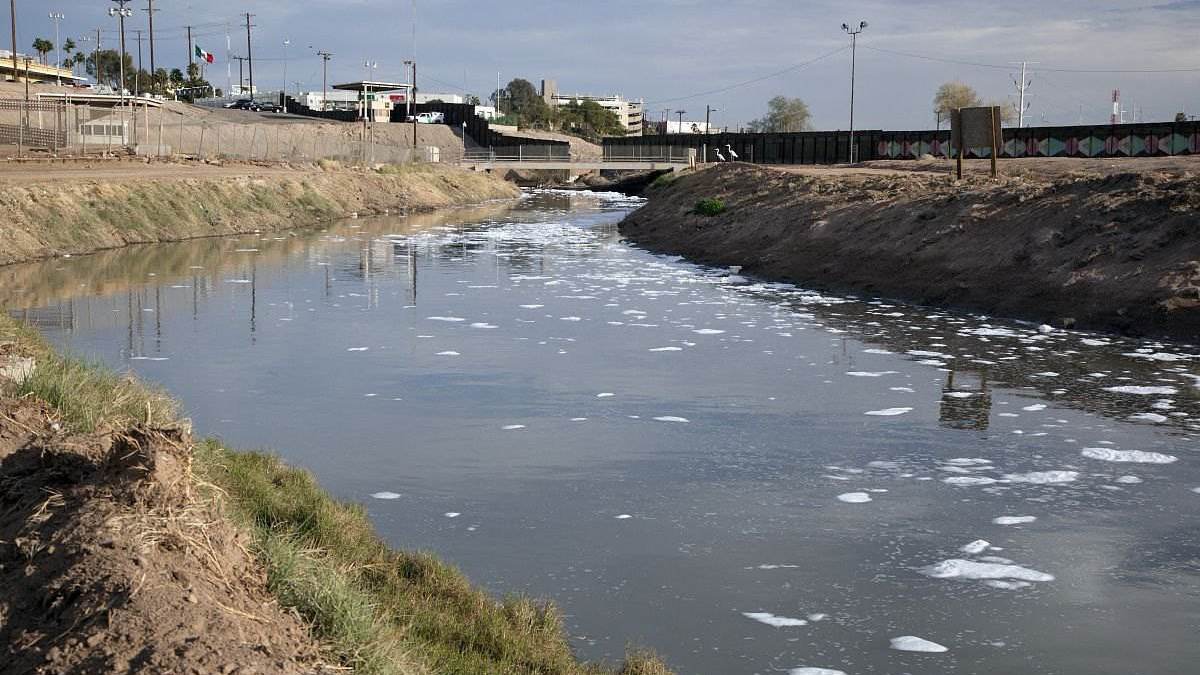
[749, 478]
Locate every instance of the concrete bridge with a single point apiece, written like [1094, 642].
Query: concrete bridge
[488, 161]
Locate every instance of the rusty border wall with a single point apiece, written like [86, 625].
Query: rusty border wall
[833, 147]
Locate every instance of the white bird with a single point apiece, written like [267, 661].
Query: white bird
[720, 157]
[732, 155]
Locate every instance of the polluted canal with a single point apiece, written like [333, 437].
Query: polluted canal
[745, 477]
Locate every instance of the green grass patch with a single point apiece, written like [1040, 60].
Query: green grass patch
[375, 609]
[711, 206]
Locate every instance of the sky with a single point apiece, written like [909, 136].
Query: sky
[732, 55]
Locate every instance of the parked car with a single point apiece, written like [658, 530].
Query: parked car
[243, 104]
[270, 107]
[428, 118]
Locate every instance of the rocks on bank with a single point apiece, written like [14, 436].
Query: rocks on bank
[1119, 251]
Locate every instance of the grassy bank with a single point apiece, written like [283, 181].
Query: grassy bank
[82, 213]
[373, 608]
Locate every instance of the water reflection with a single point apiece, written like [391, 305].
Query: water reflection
[672, 451]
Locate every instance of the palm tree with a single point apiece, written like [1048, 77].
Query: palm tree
[68, 47]
[43, 46]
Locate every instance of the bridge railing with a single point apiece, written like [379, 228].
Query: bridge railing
[542, 154]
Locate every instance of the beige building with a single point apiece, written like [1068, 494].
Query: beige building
[630, 113]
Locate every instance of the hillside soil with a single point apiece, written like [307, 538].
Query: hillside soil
[109, 563]
[1105, 244]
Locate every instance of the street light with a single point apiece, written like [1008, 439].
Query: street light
[680, 113]
[56, 17]
[285, 52]
[708, 111]
[121, 11]
[853, 33]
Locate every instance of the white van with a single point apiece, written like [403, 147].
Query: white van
[429, 118]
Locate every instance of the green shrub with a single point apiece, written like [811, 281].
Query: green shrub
[710, 207]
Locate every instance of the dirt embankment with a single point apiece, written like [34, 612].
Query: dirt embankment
[66, 211]
[108, 563]
[1117, 250]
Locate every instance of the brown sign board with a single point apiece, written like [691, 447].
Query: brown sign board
[975, 127]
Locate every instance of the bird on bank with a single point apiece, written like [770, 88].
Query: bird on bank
[720, 157]
[732, 155]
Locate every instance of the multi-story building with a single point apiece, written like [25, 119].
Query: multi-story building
[630, 113]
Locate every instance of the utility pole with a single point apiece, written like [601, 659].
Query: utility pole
[137, 76]
[853, 32]
[240, 60]
[680, 113]
[249, 54]
[57, 18]
[120, 11]
[153, 71]
[325, 56]
[1022, 85]
[191, 50]
[12, 9]
[708, 111]
[96, 58]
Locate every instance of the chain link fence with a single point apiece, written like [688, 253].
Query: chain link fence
[59, 128]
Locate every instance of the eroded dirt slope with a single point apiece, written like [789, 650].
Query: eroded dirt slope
[1114, 251]
[110, 563]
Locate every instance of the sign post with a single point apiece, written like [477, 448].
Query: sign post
[976, 128]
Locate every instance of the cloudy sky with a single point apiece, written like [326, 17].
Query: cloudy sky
[685, 54]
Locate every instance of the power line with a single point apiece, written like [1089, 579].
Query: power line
[997, 66]
[777, 73]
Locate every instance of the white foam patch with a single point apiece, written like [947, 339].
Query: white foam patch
[605, 394]
[854, 497]
[888, 412]
[860, 373]
[1142, 391]
[976, 547]
[1006, 585]
[623, 516]
[1129, 480]
[877, 351]
[448, 353]
[510, 427]
[1035, 407]
[956, 568]
[667, 349]
[452, 514]
[809, 670]
[386, 495]
[1043, 477]
[708, 331]
[481, 324]
[531, 306]
[912, 643]
[1014, 520]
[449, 319]
[773, 620]
[671, 418]
[357, 349]
[969, 480]
[1148, 417]
[1127, 456]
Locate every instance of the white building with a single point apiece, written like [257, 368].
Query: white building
[688, 127]
[630, 113]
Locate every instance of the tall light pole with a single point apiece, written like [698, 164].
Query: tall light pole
[680, 113]
[121, 11]
[325, 56]
[57, 17]
[708, 111]
[853, 32]
[285, 54]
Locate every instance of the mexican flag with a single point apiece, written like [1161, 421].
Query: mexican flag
[203, 55]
